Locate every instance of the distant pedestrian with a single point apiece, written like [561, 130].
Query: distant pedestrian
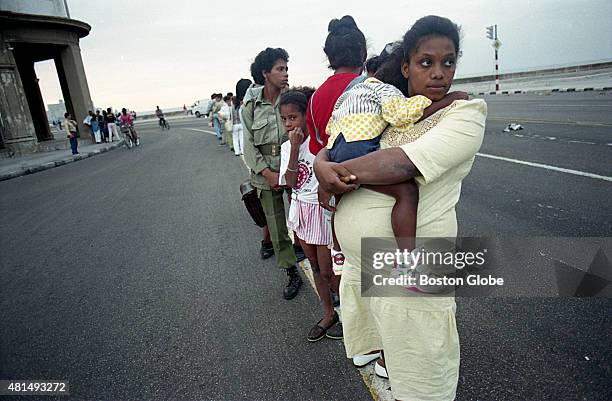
[102, 126]
[87, 122]
[215, 122]
[237, 135]
[209, 106]
[71, 132]
[111, 125]
[95, 127]
[225, 116]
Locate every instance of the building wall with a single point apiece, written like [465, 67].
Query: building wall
[56, 111]
[53, 8]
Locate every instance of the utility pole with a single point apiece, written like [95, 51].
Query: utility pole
[492, 34]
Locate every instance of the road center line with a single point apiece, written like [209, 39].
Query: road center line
[547, 167]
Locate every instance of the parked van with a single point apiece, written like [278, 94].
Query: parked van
[201, 108]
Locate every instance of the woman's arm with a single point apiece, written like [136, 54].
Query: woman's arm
[383, 167]
[292, 166]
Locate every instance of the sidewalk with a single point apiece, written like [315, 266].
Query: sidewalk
[27, 164]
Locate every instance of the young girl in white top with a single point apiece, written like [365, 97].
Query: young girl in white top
[310, 222]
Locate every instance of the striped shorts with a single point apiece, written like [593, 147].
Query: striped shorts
[314, 224]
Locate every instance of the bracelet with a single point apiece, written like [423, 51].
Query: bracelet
[292, 170]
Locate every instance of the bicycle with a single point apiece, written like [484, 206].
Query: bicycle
[163, 123]
[130, 137]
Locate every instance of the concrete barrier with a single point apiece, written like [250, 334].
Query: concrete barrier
[536, 73]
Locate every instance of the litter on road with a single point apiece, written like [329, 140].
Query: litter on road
[513, 127]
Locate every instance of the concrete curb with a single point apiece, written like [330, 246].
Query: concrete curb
[35, 168]
[541, 91]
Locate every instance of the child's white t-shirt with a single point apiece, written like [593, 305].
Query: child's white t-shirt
[307, 185]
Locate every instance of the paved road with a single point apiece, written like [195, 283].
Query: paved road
[537, 348]
[132, 274]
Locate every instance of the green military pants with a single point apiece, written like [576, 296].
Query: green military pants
[274, 209]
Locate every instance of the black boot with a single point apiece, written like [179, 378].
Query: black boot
[294, 284]
[299, 253]
[267, 250]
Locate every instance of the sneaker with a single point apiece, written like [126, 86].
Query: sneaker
[299, 253]
[362, 360]
[293, 285]
[380, 371]
[335, 332]
[337, 262]
[267, 250]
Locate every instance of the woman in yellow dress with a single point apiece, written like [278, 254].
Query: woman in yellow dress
[417, 333]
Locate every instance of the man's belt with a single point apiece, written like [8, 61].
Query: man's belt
[270, 149]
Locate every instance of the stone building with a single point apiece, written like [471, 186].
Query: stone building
[33, 31]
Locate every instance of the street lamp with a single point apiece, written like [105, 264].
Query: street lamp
[492, 34]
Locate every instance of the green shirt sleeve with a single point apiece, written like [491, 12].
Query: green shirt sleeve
[252, 156]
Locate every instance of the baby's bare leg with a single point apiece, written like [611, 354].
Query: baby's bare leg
[404, 213]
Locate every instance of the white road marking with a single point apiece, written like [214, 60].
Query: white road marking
[574, 105]
[583, 142]
[201, 130]
[547, 167]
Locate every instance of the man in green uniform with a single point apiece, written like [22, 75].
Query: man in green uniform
[263, 135]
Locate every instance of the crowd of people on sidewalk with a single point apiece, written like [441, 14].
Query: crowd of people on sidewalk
[103, 126]
[379, 153]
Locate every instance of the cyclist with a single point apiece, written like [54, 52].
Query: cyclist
[127, 120]
[162, 120]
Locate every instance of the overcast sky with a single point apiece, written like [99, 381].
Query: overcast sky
[143, 53]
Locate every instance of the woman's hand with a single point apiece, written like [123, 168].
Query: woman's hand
[332, 177]
[324, 198]
[272, 179]
[296, 137]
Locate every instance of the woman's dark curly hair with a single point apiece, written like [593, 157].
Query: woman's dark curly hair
[265, 61]
[345, 45]
[430, 26]
[298, 96]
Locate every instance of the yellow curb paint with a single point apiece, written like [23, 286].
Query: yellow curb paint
[366, 379]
